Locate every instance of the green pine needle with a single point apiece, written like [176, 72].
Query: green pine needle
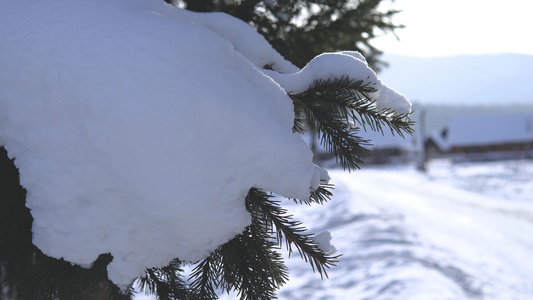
[165, 282]
[337, 108]
[205, 278]
[288, 230]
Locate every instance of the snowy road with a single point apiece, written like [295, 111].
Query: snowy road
[404, 235]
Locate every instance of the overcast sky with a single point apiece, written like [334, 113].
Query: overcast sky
[438, 28]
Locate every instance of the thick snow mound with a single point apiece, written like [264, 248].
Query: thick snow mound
[245, 40]
[137, 132]
[139, 128]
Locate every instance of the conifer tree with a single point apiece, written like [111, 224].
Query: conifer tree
[251, 263]
[302, 29]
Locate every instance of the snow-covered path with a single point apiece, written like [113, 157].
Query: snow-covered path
[405, 235]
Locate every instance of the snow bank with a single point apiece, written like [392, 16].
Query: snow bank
[138, 128]
[138, 133]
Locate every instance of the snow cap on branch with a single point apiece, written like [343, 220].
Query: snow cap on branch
[349, 64]
[323, 241]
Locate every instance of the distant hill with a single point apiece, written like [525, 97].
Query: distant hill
[491, 79]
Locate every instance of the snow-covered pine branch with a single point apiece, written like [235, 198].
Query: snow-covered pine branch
[139, 129]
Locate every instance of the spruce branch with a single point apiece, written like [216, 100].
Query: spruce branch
[321, 195]
[299, 119]
[251, 265]
[205, 278]
[333, 106]
[248, 263]
[335, 133]
[353, 99]
[165, 282]
[274, 216]
[365, 113]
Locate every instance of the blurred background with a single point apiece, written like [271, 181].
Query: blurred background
[467, 66]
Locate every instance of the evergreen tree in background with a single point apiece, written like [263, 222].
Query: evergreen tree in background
[301, 29]
[251, 263]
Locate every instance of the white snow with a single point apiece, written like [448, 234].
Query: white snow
[245, 40]
[323, 240]
[138, 128]
[336, 65]
[111, 116]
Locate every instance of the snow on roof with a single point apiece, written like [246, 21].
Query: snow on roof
[490, 129]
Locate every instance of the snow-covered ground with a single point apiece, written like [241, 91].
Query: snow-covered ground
[461, 231]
